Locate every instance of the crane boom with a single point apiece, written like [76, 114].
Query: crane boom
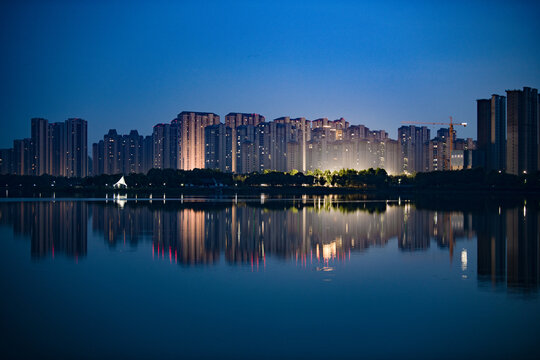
[432, 123]
[451, 124]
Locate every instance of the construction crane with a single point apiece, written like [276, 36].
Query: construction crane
[451, 124]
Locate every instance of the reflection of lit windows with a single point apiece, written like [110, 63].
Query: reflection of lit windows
[329, 250]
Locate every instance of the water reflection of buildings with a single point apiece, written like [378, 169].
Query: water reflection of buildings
[304, 232]
[307, 232]
[54, 227]
[190, 236]
[320, 232]
[248, 233]
[491, 245]
[508, 247]
[420, 227]
[244, 233]
[523, 252]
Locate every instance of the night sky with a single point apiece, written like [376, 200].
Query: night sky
[129, 66]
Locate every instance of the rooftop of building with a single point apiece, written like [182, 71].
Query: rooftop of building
[243, 114]
[197, 113]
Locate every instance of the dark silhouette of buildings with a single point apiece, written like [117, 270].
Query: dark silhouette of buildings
[41, 151]
[6, 161]
[122, 154]
[58, 149]
[523, 127]
[76, 147]
[491, 130]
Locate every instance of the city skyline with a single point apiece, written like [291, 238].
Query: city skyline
[246, 143]
[393, 131]
[369, 63]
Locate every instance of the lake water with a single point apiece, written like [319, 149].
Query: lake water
[311, 277]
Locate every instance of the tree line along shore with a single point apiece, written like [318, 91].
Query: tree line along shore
[324, 181]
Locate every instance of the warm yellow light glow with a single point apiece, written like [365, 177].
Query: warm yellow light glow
[329, 250]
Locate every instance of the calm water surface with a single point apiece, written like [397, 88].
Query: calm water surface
[313, 277]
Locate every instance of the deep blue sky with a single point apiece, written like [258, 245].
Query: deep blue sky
[129, 65]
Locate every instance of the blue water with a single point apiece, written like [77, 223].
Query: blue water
[309, 278]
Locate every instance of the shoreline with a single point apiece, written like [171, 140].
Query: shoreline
[274, 191]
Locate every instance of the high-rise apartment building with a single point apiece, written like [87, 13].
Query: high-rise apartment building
[58, 149]
[133, 152]
[356, 132]
[122, 154]
[98, 158]
[301, 129]
[76, 147]
[248, 162]
[266, 145]
[285, 133]
[332, 130]
[218, 147]
[148, 154]
[245, 134]
[380, 135]
[412, 139]
[6, 161]
[434, 150]
[41, 154]
[192, 149]
[491, 132]
[57, 143]
[167, 145]
[392, 157]
[161, 146]
[316, 154]
[175, 144]
[23, 157]
[522, 150]
[112, 153]
[234, 120]
[438, 151]
[272, 139]
[294, 156]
